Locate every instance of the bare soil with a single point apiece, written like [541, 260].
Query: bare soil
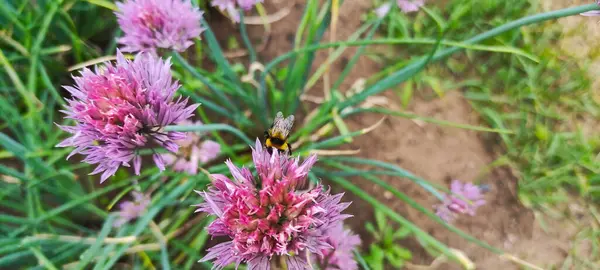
[438, 154]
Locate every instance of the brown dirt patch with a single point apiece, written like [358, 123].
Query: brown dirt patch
[438, 154]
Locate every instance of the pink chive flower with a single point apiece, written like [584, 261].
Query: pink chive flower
[131, 210]
[269, 215]
[465, 199]
[122, 108]
[406, 6]
[151, 24]
[231, 6]
[193, 150]
[340, 257]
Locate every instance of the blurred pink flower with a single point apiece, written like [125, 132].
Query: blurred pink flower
[465, 199]
[231, 6]
[193, 150]
[122, 108]
[131, 210]
[269, 215]
[383, 10]
[406, 6]
[151, 24]
[340, 257]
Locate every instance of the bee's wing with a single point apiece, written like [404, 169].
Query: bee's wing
[278, 118]
[283, 125]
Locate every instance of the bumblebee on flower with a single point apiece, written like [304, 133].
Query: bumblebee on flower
[277, 136]
[268, 216]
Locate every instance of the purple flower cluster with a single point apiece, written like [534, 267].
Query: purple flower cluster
[406, 6]
[465, 199]
[193, 150]
[340, 257]
[131, 210]
[151, 24]
[122, 108]
[270, 216]
[231, 6]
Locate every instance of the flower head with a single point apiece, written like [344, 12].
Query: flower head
[340, 257]
[151, 24]
[465, 199]
[407, 6]
[132, 209]
[193, 150]
[122, 108]
[269, 215]
[231, 6]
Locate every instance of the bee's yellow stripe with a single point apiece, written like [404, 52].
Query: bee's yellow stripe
[269, 143]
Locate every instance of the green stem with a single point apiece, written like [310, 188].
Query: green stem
[218, 92]
[211, 127]
[391, 80]
[246, 39]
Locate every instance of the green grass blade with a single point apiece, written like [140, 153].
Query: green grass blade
[361, 261]
[427, 119]
[246, 39]
[332, 142]
[14, 219]
[355, 57]
[404, 173]
[217, 54]
[89, 254]
[143, 222]
[12, 259]
[207, 103]
[164, 257]
[37, 44]
[334, 56]
[218, 92]
[8, 11]
[104, 4]
[30, 100]
[414, 67]
[48, 83]
[211, 127]
[81, 200]
[307, 61]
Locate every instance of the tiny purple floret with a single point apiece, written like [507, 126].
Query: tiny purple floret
[465, 199]
[340, 257]
[193, 150]
[406, 6]
[232, 6]
[131, 210]
[122, 108]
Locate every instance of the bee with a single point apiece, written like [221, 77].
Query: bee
[277, 136]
